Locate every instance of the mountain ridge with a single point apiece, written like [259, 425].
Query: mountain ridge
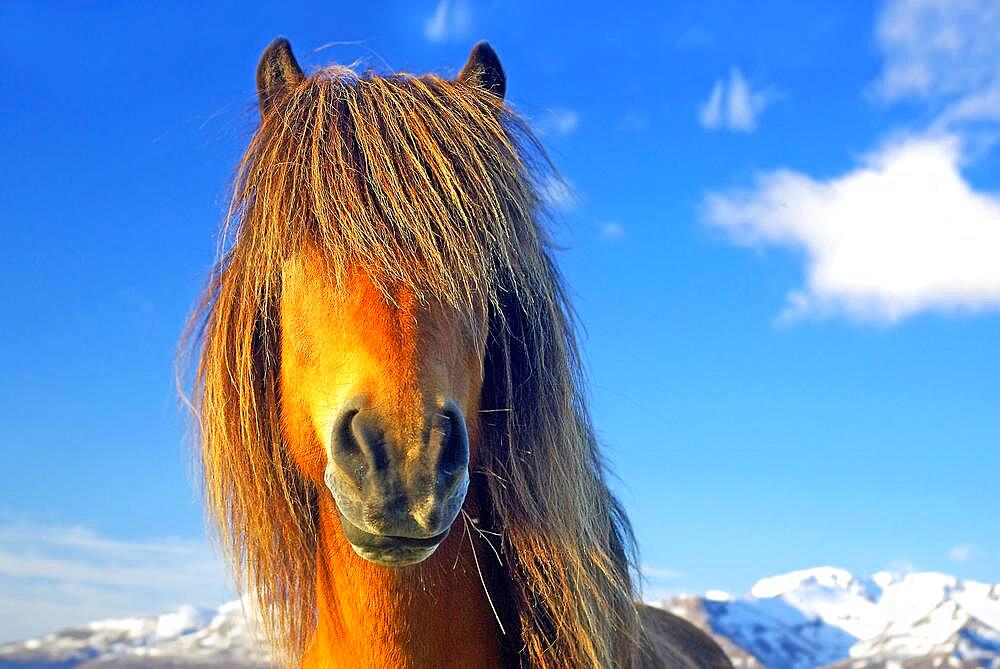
[828, 617]
[823, 617]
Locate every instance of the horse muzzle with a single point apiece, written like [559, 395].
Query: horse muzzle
[397, 504]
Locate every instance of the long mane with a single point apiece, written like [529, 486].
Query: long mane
[434, 183]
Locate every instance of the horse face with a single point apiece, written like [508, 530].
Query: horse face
[379, 403]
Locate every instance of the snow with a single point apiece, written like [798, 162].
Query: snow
[814, 617]
[982, 601]
[184, 620]
[801, 620]
[829, 577]
[189, 636]
[718, 596]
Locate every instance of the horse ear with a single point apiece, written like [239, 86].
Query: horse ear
[483, 69]
[277, 71]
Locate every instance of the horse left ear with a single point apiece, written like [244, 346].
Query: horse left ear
[277, 72]
[483, 69]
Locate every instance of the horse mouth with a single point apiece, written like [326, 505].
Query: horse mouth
[387, 550]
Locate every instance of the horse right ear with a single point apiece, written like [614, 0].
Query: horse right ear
[277, 72]
[483, 69]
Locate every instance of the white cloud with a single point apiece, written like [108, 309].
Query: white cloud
[53, 576]
[558, 122]
[710, 113]
[558, 194]
[962, 553]
[450, 20]
[902, 233]
[613, 231]
[938, 49]
[945, 55]
[733, 105]
[744, 105]
[650, 571]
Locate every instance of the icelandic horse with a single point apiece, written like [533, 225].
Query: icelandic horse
[394, 440]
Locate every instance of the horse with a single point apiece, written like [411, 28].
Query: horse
[395, 446]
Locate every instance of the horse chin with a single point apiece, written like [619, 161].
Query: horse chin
[389, 551]
[395, 557]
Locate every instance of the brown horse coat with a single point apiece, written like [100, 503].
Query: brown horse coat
[671, 641]
[385, 331]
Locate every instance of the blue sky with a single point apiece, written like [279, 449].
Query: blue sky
[784, 246]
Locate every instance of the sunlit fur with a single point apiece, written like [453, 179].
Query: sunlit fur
[432, 185]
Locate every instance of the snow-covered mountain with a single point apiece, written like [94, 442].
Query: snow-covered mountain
[807, 619]
[827, 617]
[187, 638]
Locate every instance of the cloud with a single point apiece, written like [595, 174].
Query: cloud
[558, 194]
[962, 553]
[650, 571]
[710, 113]
[559, 122]
[733, 105]
[57, 576]
[612, 231]
[945, 55]
[450, 20]
[903, 232]
[937, 50]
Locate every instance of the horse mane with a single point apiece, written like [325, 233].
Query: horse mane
[434, 183]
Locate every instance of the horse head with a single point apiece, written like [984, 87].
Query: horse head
[387, 342]
[380, 385]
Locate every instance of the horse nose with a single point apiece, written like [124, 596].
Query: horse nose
[385, 488]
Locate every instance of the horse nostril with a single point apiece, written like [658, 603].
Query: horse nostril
[452, 439]
[343, 435]
[358, 445]
[369, 433]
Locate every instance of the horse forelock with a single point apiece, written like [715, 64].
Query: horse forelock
[435, 184]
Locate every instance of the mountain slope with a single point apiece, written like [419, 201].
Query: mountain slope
[807, 619]
[827, 617]
[187, 638]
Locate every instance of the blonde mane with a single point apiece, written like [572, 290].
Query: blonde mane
[434, 183]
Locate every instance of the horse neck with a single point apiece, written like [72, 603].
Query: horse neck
[435, 614]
